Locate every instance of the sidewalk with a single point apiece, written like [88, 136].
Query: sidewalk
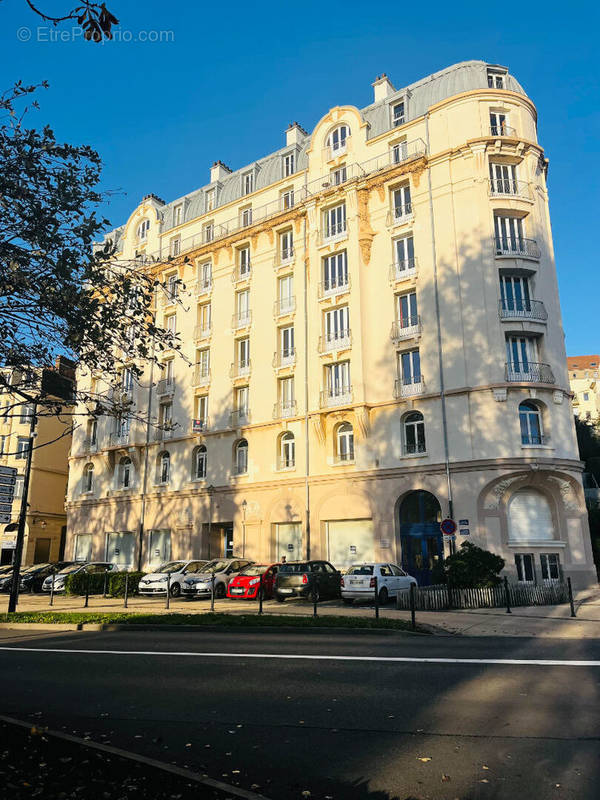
[539, 621]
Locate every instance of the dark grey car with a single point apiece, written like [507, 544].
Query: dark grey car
[300, 578]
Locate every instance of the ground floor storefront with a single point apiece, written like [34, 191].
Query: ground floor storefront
[533, 515]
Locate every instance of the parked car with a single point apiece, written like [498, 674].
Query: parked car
[157, 582]
[61, 576]
[224, 570]
[245, 586]
[32, 578]
[359, 582]
[297, 578]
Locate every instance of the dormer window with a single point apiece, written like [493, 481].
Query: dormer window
[142, 231]
[398, 115]
[288, 165]
[247, 183]
[209, 200]
[178, 215]
[175, 246]
[496, 79]
[336, 141]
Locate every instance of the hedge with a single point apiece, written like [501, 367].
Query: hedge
[77, 583]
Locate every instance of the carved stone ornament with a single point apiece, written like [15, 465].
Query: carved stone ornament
[366, 234]
[362, 421]
[493, 501]
[500, 395]
[318, 428]
[567, 494]
[558, 397]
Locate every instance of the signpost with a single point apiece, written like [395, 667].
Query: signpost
[8, 478]
[448, 527]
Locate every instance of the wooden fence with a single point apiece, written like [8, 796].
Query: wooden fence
[442, 597]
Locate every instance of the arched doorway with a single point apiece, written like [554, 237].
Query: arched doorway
[420, 535]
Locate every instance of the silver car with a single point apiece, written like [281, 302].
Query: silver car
[172, 574]
[91, 567]
[224, 569]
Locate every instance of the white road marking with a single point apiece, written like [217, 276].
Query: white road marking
[519, 662]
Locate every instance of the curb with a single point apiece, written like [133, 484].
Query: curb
[41, 626]
[232, 791]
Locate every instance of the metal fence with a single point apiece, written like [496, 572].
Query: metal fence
[443, 597]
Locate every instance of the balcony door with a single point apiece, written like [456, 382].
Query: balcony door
[409, 365]
[286, 342]
[406, 309]
[514, 293]
[521, 354]
[335, 271]
[336, 324]
[335, 220]
[509, 234]
[404, 253]
[503, 178]
[338, 379]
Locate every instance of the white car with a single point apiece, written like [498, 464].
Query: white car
[157, 582]
[359, 582]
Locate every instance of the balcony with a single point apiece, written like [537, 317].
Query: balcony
[336, 396]
[528, 372]
[522, 310]
[284, 408]
[502, 130]
[165, 386]
[403, 270]
[164, 432]
[334, 287]
[335, 341]
[334, 233]
[241, 272]
[89, 445]
[399, 154]
[516, 246]
[239, 417]
[201, 375]
[204, 286]
[285, 305]
[404, 388]
[405, 328]
[400, 215]
[119, 439]
[200, 425]
[283, 257]
[241, 320]
[284, 358]
[507, 187]
[240, 369]
[202, 332]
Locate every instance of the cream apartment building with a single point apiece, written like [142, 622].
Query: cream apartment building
[583, 377]
[371, 341]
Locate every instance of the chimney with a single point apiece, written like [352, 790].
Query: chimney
[218, 171]
[382, 87]
[295, 134]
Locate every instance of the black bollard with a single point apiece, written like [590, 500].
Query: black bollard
[315, 587]
[87, 589]
[572, 604]
[413, 623]
[376, 597]
[260, 595]
[105, 582]
[507, 595]
[52, 589]
[212, 592]
[168, 603]
[126, 589]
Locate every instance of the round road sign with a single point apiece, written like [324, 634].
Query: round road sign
[448, 527]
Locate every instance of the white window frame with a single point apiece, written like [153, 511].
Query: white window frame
[287, 199]
[209, 200]
[335, 272]
[398, 117]
[337, 140]
[287, 450]
[178, 215]
[414, 433]
[289, 165]
[247, 183]
[200, 462]
[88, 479]
[175, 246]
[335, 223]
[286, 246]
[208, 231]
[344, 442]
[241, 457]
[402, 202]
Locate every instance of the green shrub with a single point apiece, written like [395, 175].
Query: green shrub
[472, 567]
[77, 581]
[116, 583]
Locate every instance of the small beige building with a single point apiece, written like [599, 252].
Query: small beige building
[46, 520]
[372, 341]
[585, 385]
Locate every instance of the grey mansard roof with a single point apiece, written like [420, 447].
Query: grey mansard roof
[419, 96]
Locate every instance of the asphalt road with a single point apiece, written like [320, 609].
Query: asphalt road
[490, 718]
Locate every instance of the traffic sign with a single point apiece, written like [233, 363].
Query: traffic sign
[465, 532]
[8, 470]
[5, 508]
[6, 497]
[448, 526]
[4, 519]
[7, 480]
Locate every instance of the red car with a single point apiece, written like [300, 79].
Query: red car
[245, 585]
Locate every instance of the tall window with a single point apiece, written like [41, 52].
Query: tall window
[209, 200]
[243, 354]
[171, 323]
[246, 217]
[496, 79]
[509, 234]
[242, 302]
[414, 433]
[209, 231]
[406, 310]
[409, 365]
[92, 432]
[200, 456]
[26, 413]
[247, 183]
[499, 124]
[244, 261]
[339, 176]
[550, 563]
[286, 245]
[337, 325]
[142, 231]
[204, 319]
[335, 271]
[285, 292]
[172, 286]
[402, 202]
[398, 116]
[241, 401]
[3, 444]
[287, 450]
[88, 478]
[287, 199]
[336, 141]
[178, 215]
[203, 362]
[165, 416]
[404, 253]
[345, 442]
[202, 410]
[22, 447]
[205, 275]
[288, 165]
[241, 457]
[286, 343]
[335, 221]
[175, 246]
[338, 379]
[503, 178]
[521, 354]
[514, 293]
[125, 473]
[525, 564]
[287, 400]
[399, 152]
[163, 467]
[530, 419]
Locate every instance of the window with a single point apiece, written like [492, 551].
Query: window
[246, 217]
[521, 355]
[287, 199]
[172, 286]
[398, 117]
[530, 419]
[499, 124]
[495, 79]
[171, 323]
[242, 304]
[203, 363]
[404, 253]
[3, 444]
[414, 433]
[286, 245]
[503, 178]
[399, 152]
[586, 396]
[335, 221]
[337, 326]
[338, 379]
[525, 564]
[529, 516]
[551, 571]
[510, 237]
[244, 262]
[336, 141]
[247, 183]
[241, 457]
[209, 231]
[199, 463]
[143, 228]
[345, 442]
[285, 293]
[409, 367]
[124, 473]
[402, 202]
[92, 432]
[287, 401]
[286, 344]
[241, 401]
[204, 319]
[243, 355]
[88, 478]
[287, 451]
[83, 547]
[514, 293]
[288, 165]
[22, 447]
[335, 271]
[339, 175]
[209, 200]
[406, 310]
[165, 416]
[168, 372]
[175, 246]
[178, 215]
[205, 276]
[163, 464]
[202, 410]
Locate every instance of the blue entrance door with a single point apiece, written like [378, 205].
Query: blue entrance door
[420, 535]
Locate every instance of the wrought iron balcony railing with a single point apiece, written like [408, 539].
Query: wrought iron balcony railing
[507, 187]
[331, 233]
[334, 286]
[409, 388]
[528, 372]
[285, 305]
[241, 272]
[166, 431]
[400, 214]
[516, 246]
[283, 257]
[336, 396]
[285, 462]
[201, 375]
[403, 270]
[405, 328]
[522, 309]
[341, 340]
[502, 130]
[202, 332]
[241, 320]
[535, 439]
[284, 358]
[119, 438]
[165, 386]
[204, 286]
[238, 417]
[240, 369]
[284, 408]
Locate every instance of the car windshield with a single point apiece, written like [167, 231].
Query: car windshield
[361, 569]
[72, 568]
[34, 568]
[255, 569]
[215, 566]
[294, 568]
[171, 566]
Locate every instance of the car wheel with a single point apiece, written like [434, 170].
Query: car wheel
[383, 596]
[280, 598]
[175, 590]
[314, 597]
[220, 591]
[349, 601]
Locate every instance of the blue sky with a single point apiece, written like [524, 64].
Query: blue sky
[232, 77]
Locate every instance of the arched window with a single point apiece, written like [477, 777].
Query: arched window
[163, 467]
[125, 473]
[241, 457]
[287, 450]
[530, 418]
[199, 463]
[88, 478]
[414, 433]
[345, 442]
[142, 230]
[529, 516]
[336, 141]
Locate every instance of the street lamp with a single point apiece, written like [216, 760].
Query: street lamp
[244, 507]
